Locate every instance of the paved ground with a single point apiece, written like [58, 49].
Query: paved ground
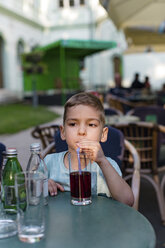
[23, 139]
[148, 203]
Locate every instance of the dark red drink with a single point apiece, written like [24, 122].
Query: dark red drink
[80, 184]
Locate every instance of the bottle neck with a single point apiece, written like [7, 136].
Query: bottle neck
[35, 151]
[11, 156]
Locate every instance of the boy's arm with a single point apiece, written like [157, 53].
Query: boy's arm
[53, 187]
[117, 186]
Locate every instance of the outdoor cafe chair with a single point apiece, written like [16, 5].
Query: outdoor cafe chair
[45, 134]
[123, 104]
[155, 114]
[120, 103]
[144, 137]
[114, 147]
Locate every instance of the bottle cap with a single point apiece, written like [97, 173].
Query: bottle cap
[35, 147]
[11, 151]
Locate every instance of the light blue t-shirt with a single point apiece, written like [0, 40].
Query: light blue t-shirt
[60, 174]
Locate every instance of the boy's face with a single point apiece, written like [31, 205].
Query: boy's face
[82, 123]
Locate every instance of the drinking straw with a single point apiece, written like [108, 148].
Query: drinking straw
[79, 163]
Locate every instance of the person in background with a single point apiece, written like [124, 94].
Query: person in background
[84, 128]
[147, 84]
[136, 84]
[118, 90]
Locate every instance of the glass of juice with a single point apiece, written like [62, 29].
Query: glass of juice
[80, 179]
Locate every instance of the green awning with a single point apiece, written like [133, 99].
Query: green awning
[62, 60]
[79, 48]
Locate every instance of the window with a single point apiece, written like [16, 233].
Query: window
[81, 64]
[20, 50]
[61, 3]
[82, 2]
[71, 3]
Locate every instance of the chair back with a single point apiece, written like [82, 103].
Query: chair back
[119, 103]
[115, 102]
[144, 137]
[154, 114]
[45, 134]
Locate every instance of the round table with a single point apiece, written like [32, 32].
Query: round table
[104, 223]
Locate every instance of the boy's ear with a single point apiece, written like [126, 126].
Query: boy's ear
[62, 132]
[104, 134]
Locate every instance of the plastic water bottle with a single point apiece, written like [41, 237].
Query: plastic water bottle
[36, 163]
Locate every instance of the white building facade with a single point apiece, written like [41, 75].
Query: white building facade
[27, 23]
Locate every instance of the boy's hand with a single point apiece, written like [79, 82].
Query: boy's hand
[92, 149]
[53, 187]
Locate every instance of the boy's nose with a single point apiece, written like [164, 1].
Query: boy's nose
[82, 130]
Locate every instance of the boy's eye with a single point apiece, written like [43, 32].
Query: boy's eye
[72, 124]
[92, 125]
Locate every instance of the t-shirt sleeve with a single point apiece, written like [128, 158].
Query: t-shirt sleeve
[115, 165]
[102, 187]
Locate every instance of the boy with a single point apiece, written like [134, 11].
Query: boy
[83, 127]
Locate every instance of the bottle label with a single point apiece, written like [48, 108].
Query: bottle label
[38, 188]
[9, 196]
[35, 191]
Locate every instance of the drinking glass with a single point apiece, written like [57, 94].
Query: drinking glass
[8, 222]
[30, 206]
[80, 179]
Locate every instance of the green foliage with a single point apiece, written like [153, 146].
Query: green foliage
[17, 117]
[33, 64]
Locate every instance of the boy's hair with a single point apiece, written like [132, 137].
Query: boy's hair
[87, 99]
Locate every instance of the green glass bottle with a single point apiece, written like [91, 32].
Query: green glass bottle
[8, 179]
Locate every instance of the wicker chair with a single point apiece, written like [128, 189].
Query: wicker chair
[124, 105]
[144, 137]
[155, 114]
[45, 134]
[52, 147]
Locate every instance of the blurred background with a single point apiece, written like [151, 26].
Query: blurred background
[80, 45]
